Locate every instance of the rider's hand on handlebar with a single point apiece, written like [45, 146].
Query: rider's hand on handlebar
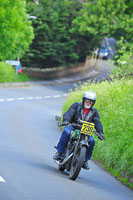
[80, 121]
[101, 137]
[65, 123]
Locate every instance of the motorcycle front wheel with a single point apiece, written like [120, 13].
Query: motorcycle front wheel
[77, 163]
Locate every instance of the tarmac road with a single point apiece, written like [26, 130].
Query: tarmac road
[27, 137]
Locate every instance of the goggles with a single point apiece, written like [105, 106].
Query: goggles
[89, 101]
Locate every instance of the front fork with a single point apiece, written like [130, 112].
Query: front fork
[85, 142]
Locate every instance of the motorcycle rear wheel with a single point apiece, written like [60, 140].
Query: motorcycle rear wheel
[77, 163]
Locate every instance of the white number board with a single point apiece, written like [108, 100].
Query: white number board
[13, 62]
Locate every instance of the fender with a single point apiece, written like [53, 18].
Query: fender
[84, 143]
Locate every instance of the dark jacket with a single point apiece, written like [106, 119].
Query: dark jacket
[75, 112]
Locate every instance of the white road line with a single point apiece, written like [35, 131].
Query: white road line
[47, 97]
[11, 99]
[56, 96]
[20, 98]
[31, 98]
[2, 180]
[38, 97]
[65, 95]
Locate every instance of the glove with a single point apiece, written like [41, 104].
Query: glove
[101, 136]
[65, 123]
[79, 121]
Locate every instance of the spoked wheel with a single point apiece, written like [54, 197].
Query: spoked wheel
[77, 163]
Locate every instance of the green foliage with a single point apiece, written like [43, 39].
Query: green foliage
[15, 29]
[124, 59]
[115, 104]
[66, 31]
[8, 74]
[55, 43]
[109, 18]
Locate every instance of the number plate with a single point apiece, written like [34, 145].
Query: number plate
[87, 128]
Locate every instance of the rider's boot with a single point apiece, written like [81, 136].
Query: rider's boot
[85, 165]
[57, 155]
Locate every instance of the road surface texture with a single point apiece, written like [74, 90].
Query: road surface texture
[28, 135]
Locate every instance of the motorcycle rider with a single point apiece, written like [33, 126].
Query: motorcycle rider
[84, 111]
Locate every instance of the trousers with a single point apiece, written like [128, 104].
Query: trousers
[65, 137]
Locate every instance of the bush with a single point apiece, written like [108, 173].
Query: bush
[124, 59]
[114, 103]
[8, 74]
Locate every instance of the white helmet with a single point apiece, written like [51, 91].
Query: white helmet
[90, 96]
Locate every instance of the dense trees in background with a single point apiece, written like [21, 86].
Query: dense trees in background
[55, 42]
[106, 18]
[66, 31]
[16, 32]
[110, 18]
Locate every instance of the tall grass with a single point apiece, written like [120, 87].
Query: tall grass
[8, 74]
[115, 104]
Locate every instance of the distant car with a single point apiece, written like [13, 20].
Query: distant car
[102, 52]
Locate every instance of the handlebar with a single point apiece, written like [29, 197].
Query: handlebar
[99, 136]
[72, 124]
[80, 122]
[79, 125]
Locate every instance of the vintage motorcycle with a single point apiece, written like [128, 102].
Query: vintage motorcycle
[74, 156]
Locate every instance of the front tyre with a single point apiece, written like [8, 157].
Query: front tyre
[77, 163]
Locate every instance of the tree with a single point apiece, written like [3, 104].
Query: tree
[16, 32]
[55, 43]
[110, 18]
[68, 30]
[106, 18]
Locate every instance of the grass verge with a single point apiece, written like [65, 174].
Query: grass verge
[114, 103]
[8, 74]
